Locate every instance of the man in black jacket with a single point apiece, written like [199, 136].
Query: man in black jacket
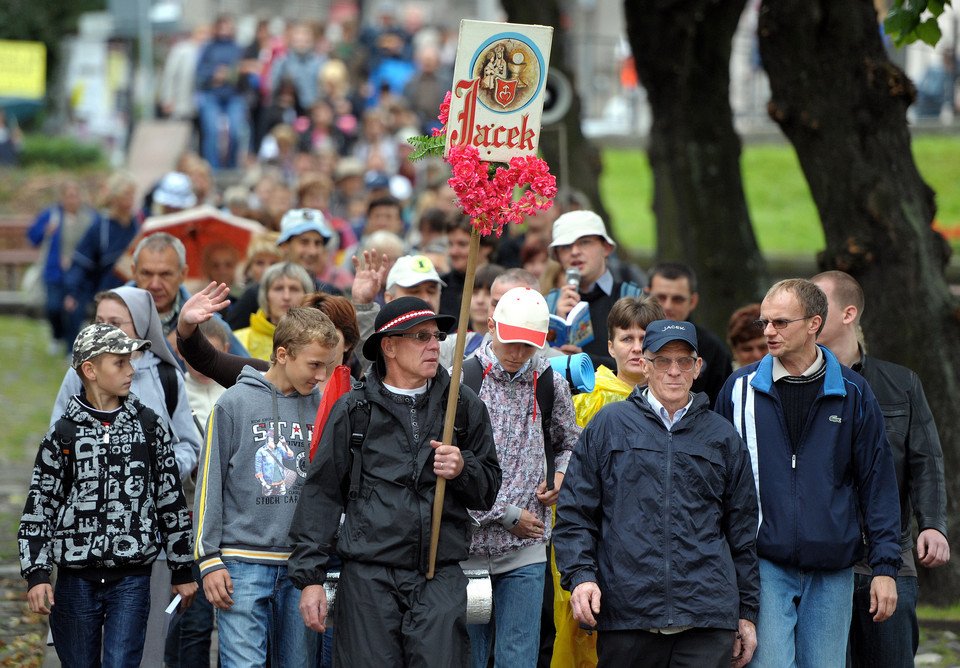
[918, 460]
[658, 514]
[383, 479]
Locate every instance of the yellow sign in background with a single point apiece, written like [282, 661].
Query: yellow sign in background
[23, 67]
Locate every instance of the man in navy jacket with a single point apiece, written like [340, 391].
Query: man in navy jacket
[822, 462]
[657, 520]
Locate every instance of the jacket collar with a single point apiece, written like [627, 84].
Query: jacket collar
[701, 402]
[832, 382]
[437, 387]
[261, 324]
[77, 412]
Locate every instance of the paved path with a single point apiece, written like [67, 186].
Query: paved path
[22, 634]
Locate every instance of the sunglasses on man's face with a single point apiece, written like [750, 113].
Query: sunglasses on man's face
[422, 337]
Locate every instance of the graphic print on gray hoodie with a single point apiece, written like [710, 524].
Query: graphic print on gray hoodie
[252, 468]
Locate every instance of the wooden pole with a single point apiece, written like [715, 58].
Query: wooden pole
[454, 392]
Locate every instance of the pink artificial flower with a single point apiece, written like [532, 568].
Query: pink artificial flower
[444, 109]
[489, 200]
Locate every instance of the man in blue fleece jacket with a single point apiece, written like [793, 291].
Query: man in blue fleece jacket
[823, 469]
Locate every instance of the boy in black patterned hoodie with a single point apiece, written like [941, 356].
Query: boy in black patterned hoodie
[105, 484]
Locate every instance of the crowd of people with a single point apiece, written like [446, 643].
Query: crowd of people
[649, 489]
[704, 504]
[308, 86]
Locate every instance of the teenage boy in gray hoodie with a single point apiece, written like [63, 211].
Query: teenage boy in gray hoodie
[242, 522]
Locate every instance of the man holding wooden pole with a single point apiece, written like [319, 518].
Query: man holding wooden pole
[378, 462]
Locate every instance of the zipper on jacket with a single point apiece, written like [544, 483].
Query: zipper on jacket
[793, 462]
[796, 511]
[668, 493]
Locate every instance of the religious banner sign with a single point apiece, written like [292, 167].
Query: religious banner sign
[499, 83]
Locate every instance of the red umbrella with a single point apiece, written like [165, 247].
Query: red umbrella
[200, 228]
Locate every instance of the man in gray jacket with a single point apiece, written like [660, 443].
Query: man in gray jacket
[658, 516]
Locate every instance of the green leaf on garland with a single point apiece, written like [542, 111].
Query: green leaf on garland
[426, 145]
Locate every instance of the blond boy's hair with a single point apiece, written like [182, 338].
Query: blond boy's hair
[299, 328]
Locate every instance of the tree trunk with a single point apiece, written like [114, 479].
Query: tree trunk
[573, 159]
[682, 50]
[843, 105]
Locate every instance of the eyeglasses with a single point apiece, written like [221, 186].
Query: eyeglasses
[422, 337]
[778, 323]
[114, 322]
[661, 363]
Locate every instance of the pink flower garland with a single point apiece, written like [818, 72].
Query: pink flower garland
[489, 202]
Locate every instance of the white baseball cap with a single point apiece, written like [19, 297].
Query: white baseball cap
[410, 270]
[522, 316]
[575, 225]
[175, 191]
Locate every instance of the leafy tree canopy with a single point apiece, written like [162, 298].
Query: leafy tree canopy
[910, 20]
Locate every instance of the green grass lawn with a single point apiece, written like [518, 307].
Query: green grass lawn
[784, 217]
[29, 381]
[951, 613]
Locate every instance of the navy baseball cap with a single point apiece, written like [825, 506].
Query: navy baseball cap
[376, 181]
[661, 332]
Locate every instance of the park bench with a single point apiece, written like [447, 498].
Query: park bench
[16, 256]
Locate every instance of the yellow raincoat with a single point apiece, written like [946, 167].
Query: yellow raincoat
[574, 647]
[258, 337]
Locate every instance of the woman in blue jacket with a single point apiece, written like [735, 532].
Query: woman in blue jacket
[92, 266]
[57, 230]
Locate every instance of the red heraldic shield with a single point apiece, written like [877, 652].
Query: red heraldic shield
[506, 91]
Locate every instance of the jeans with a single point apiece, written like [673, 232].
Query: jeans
[90, 614]
[325, 649]
[891, 643]
[804, 617]
[211, 108]
[548, 628]
[325, 643]
[517, 600]
[64, 325]
[56, 315]
[265, 613]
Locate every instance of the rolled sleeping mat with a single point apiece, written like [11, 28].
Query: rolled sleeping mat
[577, 369]
[479, 596]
